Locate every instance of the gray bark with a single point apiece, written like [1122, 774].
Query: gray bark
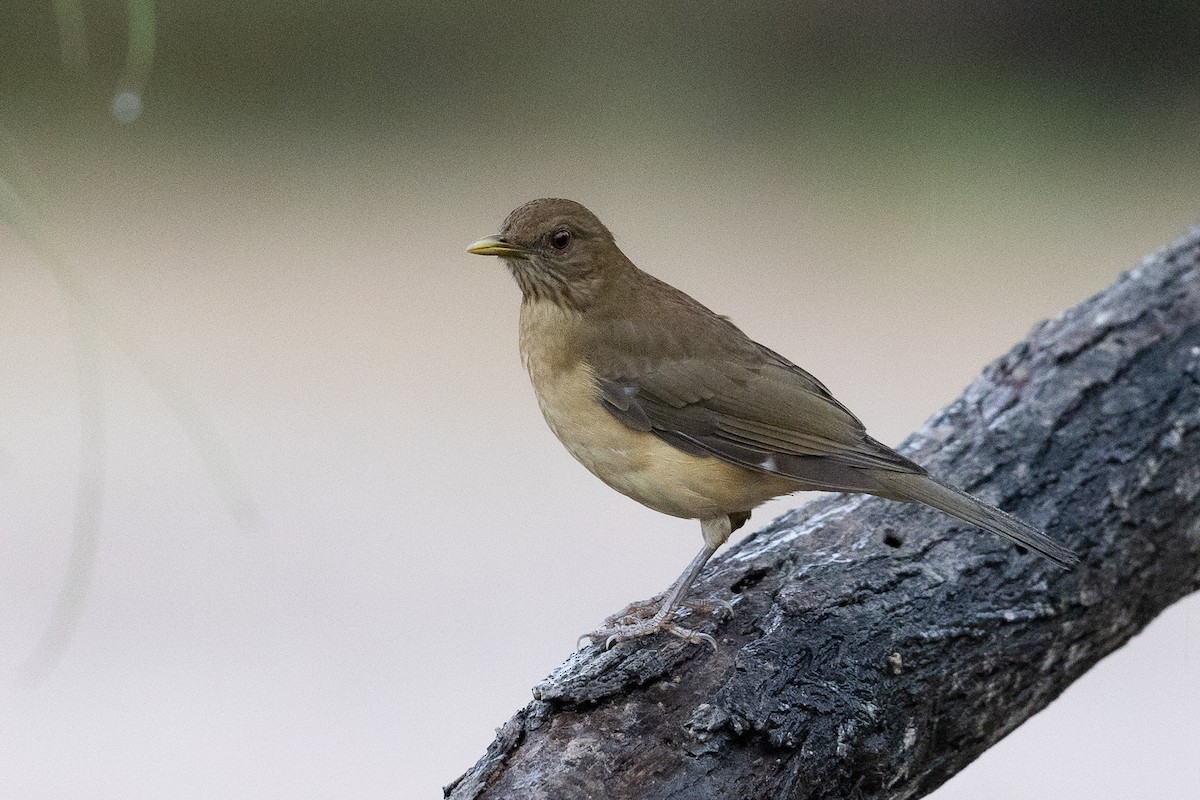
[877, 648]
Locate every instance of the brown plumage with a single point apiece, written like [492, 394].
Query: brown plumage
[674, 406]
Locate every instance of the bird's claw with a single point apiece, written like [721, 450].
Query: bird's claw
[693, 637]
[628, 626]
[637, 630]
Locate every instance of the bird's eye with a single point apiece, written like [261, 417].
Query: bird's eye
[560, 239]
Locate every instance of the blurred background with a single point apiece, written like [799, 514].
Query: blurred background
[278, 514]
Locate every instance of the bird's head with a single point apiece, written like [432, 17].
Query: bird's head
[556, 249]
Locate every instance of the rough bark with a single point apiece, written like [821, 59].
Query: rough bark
[876, 648]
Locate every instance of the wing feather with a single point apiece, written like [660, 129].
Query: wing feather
[725, 395]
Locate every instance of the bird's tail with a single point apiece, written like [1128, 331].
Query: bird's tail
[924, 489]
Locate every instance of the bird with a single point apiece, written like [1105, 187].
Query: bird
[672, 405]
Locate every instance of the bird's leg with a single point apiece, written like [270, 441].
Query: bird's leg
[627, 625]
[631, 625]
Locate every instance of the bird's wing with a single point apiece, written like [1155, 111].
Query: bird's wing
[740, 402]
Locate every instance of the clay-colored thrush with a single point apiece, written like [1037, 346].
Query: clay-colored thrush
[672, 405]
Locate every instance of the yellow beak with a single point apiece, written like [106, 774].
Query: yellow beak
[497, 246]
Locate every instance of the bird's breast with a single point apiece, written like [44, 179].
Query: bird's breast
[635, 463]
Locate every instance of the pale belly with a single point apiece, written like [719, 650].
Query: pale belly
[639, 464]
[635, 463]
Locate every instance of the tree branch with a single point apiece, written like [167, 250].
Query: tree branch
[877, 648]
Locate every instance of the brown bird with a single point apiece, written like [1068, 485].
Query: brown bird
[672, 405]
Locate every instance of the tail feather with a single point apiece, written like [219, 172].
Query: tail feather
[961, 505]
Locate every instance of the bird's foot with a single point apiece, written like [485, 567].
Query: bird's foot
[649, 616]
[625, 630]
[638, 611]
